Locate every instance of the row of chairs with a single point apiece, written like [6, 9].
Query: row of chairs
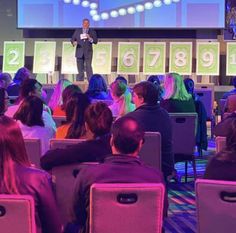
[132, 208]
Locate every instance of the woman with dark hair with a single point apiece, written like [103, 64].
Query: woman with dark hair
[4, 100]
[66, 94]
[75, 108]
[223, 165]
[98, 120]
[29, 118]
[97, 88]
[17, 177]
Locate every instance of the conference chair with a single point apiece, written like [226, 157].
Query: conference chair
[183, 137]
[206, 95]
[34, 151]
[150, 153]
[216, 206]
[126, 208]
[63, 143]
[220, 143]
[17, 214]
[64, 179]
[59, 120]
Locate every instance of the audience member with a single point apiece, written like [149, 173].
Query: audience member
[122, 79]
[201, 136]
[5, 80]
[175, 97]
[152, 117]
[230, 105]
[97, 88]
[224, 126]
[17, 177]
[4, 101]
[121, 99]
[75, 125]
[155, 79]
[29, 119]
[223, 165]
[32, 87]
[21, 75]
[98, 120]
[122, 166]
[56, 98]
[231, 92]
[66, 94]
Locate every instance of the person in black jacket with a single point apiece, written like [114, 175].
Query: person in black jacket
[152, 117]
[98, 120]
[84, 38]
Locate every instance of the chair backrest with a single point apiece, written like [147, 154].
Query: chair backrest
[17, 214]
[183, 132]
[216, 206]
[126, 208]
[34, 151]
[59, 120]
[151, 150]
[220, 143]
[64, 178]
[206, 95]
[63, 143]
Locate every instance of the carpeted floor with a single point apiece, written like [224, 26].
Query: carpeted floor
[182, 210]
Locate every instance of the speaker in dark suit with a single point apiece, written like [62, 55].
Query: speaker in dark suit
[84, 38]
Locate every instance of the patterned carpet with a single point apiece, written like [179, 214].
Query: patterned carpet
[182, 210]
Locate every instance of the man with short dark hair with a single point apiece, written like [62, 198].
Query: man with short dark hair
[84, 38]
[153, 118]
[123, 166]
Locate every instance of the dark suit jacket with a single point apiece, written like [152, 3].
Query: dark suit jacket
[115, 169]
[84, 47]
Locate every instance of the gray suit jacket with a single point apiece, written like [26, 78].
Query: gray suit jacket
[84, 47]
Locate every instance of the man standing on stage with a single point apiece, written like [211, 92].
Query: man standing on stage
[84, 38]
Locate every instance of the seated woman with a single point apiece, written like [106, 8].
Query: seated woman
[98, 120]
[66, 94]
[75, 126]
[56, 98]
[97, 89]
[223, 165]
[4, 101]
[175, 97]
[121, 99]
[17, 177]
[29, 119]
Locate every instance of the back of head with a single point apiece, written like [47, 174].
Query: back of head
[122, 79]
[148, 91]
[5, 80]
[68, 92]
[118, 88]
[189, 85]
[27, 87]
[97, 84]
[21, 75]
[234, 81]
[12, 150]
[75, 109]
[30, 111]
[56, 98]
[126, 135]
[154, 79]
[98, 118]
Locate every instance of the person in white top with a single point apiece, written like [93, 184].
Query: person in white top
[29, 119]
[31, 87]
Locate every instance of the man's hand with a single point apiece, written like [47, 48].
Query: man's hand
[74, 43]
